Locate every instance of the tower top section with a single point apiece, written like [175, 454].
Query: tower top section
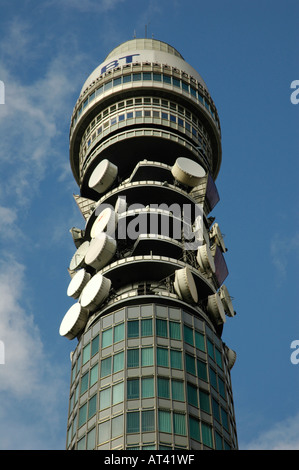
[143, 101]
[143, 51]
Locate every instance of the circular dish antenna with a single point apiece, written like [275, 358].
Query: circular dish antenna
[205, 259]
[101, 251]
[226, 301]
[216, 233]
[95, 292]
[106, 221]
[77, 260]
[73, 322]
[120, 205]
[231, 357]
[184, 285]
[187, 171]
[78, 282]
[216, 309]
[103, 176]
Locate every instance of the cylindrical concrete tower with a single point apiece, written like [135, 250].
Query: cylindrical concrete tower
[149, 370]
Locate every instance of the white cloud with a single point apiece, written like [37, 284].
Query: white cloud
[282, 436]
[283, 250]
[86, 5]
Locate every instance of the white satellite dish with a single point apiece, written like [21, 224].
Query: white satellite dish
[106, 221]
[215, 309]
[216, 233]
[205, 259]
[231, 357]
[120, 205]
[187, 171]
[74, 321]
[77, 283]
[95, 292]
[184, 285]
[77, 260]
[226, 301]
[101, 250]
[103, 176]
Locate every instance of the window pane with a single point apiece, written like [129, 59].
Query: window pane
[133, 357]
[215, 408]
[84, 383]
[163, 388]
[224, 418]
[82, 415]
[218, 358]
[133, 421]
[86, 354]
[213, 378]
[91, 439]
[81, 444]
[148, 420]
[104, 431]
[117, 424]
[107, 338]
[105, 398]
[126, 78]
[164, 421]
[136, 76]
[221, 387]
[117, 393]
[92, 406]
[192, 395]
[218, 441]
[176, 82]
[132, 388]
[157, 77]
[133, 329]
[147, 76]
[210, 349]
[202, 370]
[179, 425]
[204, 401]
[147, 356]
[95, 345]
[119, 332]
[118, 362]
[194, 428]
[147, 387]
[190, 364]
[175, 359]
[146, 327]
[177, 388]
[106, 367]
[174, 330]
[206, 435]
[94, 372]
[188, 335]
[162, 357]
[161, 326]
[166, 79]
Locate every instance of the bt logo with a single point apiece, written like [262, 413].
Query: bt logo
[115, 63]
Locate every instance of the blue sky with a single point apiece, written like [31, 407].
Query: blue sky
[247, 53]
